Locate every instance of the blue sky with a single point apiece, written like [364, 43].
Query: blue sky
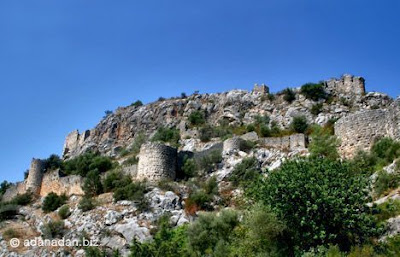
[63, 63]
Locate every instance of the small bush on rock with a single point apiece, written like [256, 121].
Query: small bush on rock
[299, 124]
[86, 204]
[53, 201]
[313, 91]
[167, 135]
[289, 95]
[53, 229]
[197, 118]
[64, 212]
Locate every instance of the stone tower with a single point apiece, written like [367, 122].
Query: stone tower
[348, 85]
[261, 89]
[157, 162]
[34, 180]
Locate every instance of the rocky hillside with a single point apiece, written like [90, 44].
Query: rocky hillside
[236, 173]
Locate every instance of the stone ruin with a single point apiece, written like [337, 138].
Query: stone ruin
[157, 162]
[347, 86]
[359, 131]
[42, 183]
[261, 89]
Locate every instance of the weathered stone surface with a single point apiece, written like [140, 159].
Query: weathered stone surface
[348, 85]
[35, 175]
[261, 89]
[233, 144]
[292, 142]
[54, 182]
[360, 130]
[157, 162]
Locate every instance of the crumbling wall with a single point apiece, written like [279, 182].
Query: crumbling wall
[347, 85]
[360, 130]
[292, 142]
[55, 182]
[17, 189]
[157, 162]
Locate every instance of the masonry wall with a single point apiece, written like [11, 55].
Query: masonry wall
[292, 142]
[54, 182]
[17, 189]
[157, 162]
[360, 130]
[35, 175]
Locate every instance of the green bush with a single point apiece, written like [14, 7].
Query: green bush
[53, 229]
[313, 91]
[53, 162]
[64, 212]
[189, 167]
[208, 163]
[316, 109]
[388, 209]
[211, 232]
[138, 103]
[4, 186]
[260, 234]
[92, 185]
[386, 149]
[22, 199]
[92, 251]
[86, 204]
[321, 201]
[114, 180]
[167, 135]
[207, 132]
[386, 182]
[289, 95]
[323, 144]
[299, 124]
[197, 118]
[245, 172]
[134, 191]
[10, 233]
[53, 201]
[86, 162]
[201, 199]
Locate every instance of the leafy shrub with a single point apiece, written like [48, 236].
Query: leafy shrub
[53, 229]
[22, 199]
[208, 132]
[166, 185]
[316, 109]
[4, 186]
[160, 99]
[86, 204]
[299, 124]
[386, 182]
[92, 251]
[210, 232]
[53, 162]
[53, 201]
[321, 201]
[197, 118]
[114, 180]
[386, 149]
[64, 212]
[86, 162]
[134, 191]
[208, 163]
[189, 167]
[167, 135]
[245, 172]
[92, 185]
[323, 144]
[131, 161]
[200, 199]
[388, 209]
[260, 234]
[313, 91]
[138, 103]
[289, 95]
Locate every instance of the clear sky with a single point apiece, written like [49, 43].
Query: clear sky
[63, 63]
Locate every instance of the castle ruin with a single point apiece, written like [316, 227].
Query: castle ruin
[360, 130]
[156, 162]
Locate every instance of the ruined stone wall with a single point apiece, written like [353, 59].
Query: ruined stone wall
[261, 89]
[35, 175]
[347, 85]
[359, 131]
[233, 144]
[157, 162]
[54, 182]
[17, 189]
[74, 143]
[292, 142]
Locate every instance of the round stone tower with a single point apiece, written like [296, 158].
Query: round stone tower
[157, 162]
[35, 175]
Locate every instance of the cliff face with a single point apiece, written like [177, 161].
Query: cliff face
[236, 107]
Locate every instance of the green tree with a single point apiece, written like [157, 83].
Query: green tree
[197, 118]
[92, 185]
[289, 95]
[322, 201]
[313, 91]
[299, 124]
[52, 201]
[245, 172]
[323, 144]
